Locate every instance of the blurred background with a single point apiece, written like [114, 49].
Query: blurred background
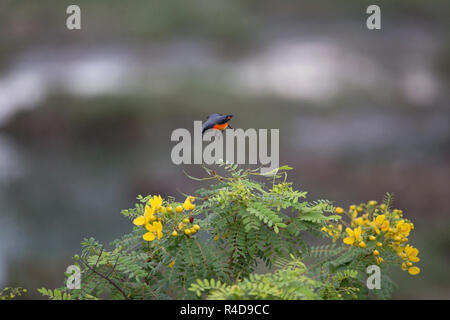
[86, 115]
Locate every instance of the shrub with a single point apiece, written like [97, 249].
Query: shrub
[244, 238]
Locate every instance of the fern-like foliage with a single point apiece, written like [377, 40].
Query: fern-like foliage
[245, 219]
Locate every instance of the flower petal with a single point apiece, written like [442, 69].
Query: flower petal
[349, 240]
[150, 227]
[349, 231]
[139, 221]
[149, 236]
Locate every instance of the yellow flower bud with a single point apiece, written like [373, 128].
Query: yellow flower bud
[339, 210]
[185, 220]
[379, 244]
[169, 209]
[414, 270]
[174, 233]
[362, 244]
[196, 227]
[352, 207]
[376, 252]
[187, 231]
[179, 209]
[372, 203]
[372, 238]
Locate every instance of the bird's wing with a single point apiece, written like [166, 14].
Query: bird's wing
[212, 115]
[208, 124]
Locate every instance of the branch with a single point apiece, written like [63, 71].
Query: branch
[106, 278]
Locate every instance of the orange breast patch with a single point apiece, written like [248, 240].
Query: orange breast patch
[220, 126]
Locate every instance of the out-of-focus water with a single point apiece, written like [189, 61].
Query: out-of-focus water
[301, 67]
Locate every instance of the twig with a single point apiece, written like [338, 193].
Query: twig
[106, 278]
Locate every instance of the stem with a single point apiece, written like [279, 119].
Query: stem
[107, 279]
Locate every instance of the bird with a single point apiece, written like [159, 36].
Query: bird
[217, 121]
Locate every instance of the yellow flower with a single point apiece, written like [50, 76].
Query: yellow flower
[169, 209]
[217, 237]
[403, 228]
[339, 210]
[174, 233]
[172, 264]
[179, 209]
[146, 218]
[362, 244]
[154, 230]
[411, 253]
[414, 270]
[376, 252]
[156, 202]
[380, 260]
[187, 205]
[353, 235]
[352, 207]
[380, 223]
